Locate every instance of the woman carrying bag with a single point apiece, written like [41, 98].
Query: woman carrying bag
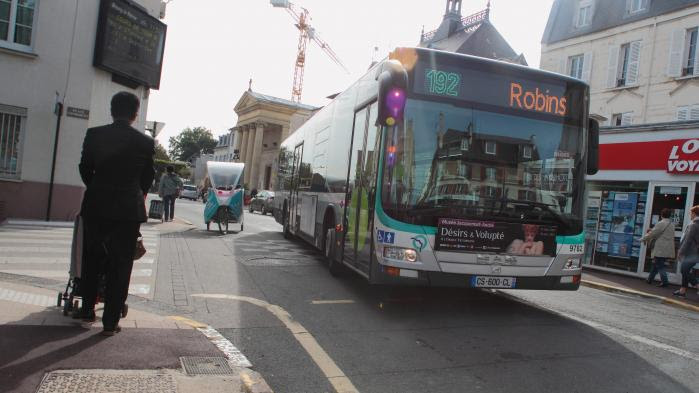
[661, 241]
[688, 253]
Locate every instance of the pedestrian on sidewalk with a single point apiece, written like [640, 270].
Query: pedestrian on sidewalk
[661, 239]
[117, 169]
[169, 189]
[688, 253]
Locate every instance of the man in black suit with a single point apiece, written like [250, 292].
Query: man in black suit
[117, 168]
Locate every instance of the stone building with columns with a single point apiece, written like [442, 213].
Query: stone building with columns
[263, 123]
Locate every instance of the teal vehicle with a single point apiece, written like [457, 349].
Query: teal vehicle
[224, 203]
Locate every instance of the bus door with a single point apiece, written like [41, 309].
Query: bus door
[361, 181]
[295, 182]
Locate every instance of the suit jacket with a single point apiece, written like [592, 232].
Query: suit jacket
[117, 168]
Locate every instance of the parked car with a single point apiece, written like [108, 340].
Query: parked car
[189, 192]
[262, 202]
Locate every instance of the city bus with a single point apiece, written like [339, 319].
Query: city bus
[443, 169]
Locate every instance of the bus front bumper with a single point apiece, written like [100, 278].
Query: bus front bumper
[383, 275]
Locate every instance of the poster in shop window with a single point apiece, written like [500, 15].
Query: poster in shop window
[623, 224]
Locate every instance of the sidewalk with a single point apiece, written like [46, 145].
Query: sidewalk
[43, 351]
[638, 286]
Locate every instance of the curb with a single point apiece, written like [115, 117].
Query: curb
[662, 299]
[253, 382]
[38, 223]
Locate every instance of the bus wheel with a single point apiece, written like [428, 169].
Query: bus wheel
[336, 269]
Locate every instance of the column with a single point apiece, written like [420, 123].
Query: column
[243, 136]
[256, 153]
[285, 133]
[238, 140]
[249, 150]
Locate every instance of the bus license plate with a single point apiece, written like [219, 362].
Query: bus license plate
[492, 282]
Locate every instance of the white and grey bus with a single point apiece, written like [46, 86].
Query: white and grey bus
[443, 169]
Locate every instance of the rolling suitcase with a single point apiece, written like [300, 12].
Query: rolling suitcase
[156, 209]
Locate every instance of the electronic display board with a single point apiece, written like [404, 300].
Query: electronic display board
[546, 98]
[130, 42]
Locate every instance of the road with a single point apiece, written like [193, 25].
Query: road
[306, 331]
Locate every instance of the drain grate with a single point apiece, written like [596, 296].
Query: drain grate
[194, 365]
[89, 381]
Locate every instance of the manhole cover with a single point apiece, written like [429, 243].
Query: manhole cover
[194, 365]
[91, 381]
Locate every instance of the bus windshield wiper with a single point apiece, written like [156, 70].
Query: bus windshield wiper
[545, 208]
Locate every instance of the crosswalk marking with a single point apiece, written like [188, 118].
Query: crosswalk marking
[26, 298]
[45, 253]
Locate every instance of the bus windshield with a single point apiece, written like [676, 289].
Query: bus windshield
[449, 159]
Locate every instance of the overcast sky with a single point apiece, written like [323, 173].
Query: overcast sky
[215, 46]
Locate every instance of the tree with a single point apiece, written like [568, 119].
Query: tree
[190, 142]
[160, 153]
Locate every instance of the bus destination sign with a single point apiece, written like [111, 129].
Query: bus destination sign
[459, 235]
[494, 89]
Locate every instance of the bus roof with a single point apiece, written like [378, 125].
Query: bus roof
[409, 55]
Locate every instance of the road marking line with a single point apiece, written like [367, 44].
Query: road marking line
[612, 330]
[332, 372]
[232, 353]
[223, 344]
[188, 321]
[332, 301]
[635, 337]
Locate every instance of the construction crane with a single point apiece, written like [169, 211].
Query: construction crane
[307, 33]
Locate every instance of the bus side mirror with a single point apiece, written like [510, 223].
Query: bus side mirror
[393, 86]
[592, 147]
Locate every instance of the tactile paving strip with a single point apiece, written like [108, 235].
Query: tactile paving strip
[196, 365]
[86, 381]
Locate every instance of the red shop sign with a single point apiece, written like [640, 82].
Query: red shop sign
[680, 156]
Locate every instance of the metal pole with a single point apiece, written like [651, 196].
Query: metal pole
[59, 114]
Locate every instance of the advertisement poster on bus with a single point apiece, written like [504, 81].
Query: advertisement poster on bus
[623, 222]
[458, 235]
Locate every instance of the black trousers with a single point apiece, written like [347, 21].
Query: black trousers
[110, 249]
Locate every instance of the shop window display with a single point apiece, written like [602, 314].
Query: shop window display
[614, 224]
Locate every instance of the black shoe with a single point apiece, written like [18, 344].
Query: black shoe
[110, 332]
[661, 285]
[679, 294]
[87, 316]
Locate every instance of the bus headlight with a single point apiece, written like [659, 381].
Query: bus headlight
[401, 254]
[572, 264]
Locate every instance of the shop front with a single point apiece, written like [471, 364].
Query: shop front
[643, 170]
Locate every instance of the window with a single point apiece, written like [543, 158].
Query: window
[584, 17]
[17, 23]
[11, 126]
[635, 6]
[684, 59]
[527, 151]
[575, 66]
[622, 119]
[490, 147]
[465, 144]
[491, 174]
[689, 112]
[463, 170]
[624, 63]
[691, 62]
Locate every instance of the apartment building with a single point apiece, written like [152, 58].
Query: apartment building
[60, 63]
[641, 62]
[639, 56]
